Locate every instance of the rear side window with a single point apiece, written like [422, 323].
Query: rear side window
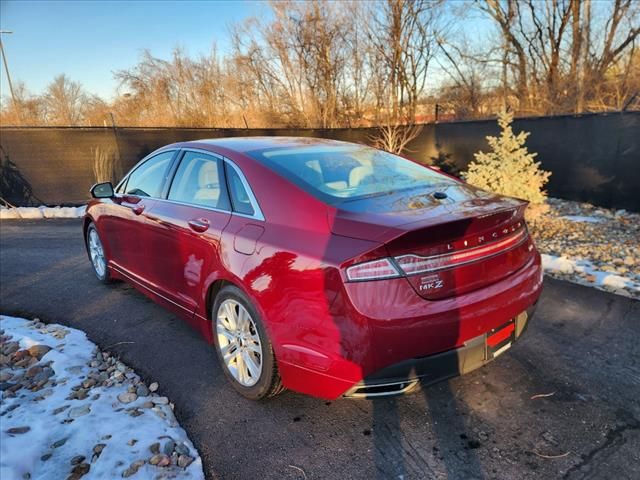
[239, 196]
[338, 173]
[199, 181]
[147, 179]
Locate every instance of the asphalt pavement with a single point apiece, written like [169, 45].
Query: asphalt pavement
[581, 353]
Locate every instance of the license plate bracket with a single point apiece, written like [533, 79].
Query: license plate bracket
[499, 340]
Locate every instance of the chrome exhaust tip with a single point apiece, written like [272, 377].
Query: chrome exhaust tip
[381, 389]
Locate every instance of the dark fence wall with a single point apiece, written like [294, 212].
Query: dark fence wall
[593, 158]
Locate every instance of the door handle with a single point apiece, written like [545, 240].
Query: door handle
[199, 224]
[138, 209]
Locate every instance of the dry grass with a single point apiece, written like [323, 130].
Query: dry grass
[106, 164]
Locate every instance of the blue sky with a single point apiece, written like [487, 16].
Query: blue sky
[88, 40]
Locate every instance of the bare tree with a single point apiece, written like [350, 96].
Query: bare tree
[351, 63]
[559, 61]
[404, 34]
[64, 102]
[181, 92]
[468, 70]
[504, 14]
[395, 138]
[298, 60]
[27, 109]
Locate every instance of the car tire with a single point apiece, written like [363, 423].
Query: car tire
[238, 354]
[97, 257]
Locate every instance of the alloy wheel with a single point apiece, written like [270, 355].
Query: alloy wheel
[239, 342]
[96, 252]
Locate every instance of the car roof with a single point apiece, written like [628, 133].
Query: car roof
[250, 144]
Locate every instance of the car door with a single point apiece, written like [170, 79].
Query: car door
[186, 228]
[124, 226]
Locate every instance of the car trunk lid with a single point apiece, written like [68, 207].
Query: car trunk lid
[448, 240]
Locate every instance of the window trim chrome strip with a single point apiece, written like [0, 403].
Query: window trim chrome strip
[195, 205]
[204, 207]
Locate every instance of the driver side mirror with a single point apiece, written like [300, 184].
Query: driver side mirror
[102, 190]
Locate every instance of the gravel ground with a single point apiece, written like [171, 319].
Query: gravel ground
[70, 410]
[608, 239]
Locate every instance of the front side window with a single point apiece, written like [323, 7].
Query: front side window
[199, 181]
[338, 173]
[147, 179]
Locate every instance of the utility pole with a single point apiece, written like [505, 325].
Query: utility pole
[6, 67]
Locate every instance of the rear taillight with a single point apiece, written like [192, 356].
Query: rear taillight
[413, 264]
[407, 265]
[374, 270]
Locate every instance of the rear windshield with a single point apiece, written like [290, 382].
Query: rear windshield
[340, 173]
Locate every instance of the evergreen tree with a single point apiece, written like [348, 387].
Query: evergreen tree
[509, 168]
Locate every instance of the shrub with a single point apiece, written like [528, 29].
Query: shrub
[106, 164]
[14, 187]
[509, 168]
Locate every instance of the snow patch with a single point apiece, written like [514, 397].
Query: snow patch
[60, 428]
[585, 273]
[557, 264]
[32, 213]
[583, 218]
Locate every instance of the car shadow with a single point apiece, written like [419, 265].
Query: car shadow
[453, 445]
[453, 452]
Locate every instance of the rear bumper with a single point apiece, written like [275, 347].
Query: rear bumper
[373, 326]
[405, 376]
[402, 325]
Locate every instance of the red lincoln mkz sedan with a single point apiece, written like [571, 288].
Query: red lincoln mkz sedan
[325, 267]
